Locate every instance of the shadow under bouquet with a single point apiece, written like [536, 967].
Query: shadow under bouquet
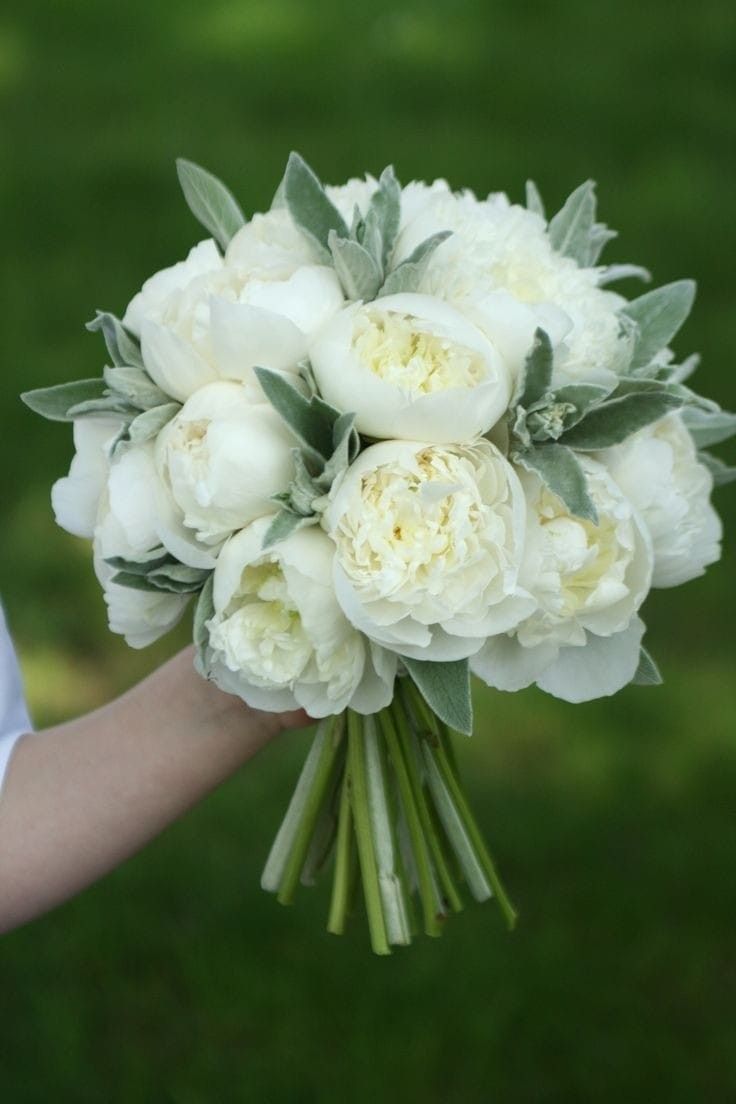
[386, 438]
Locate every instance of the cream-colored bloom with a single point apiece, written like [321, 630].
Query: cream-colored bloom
[75, 498]
[658, 470]
[411, 367]
[140, 616]
[588, 581]
[279, 639]
[499, 246]
[219, 461]
[429, 545]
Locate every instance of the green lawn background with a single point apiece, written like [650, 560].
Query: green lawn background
[614, 823]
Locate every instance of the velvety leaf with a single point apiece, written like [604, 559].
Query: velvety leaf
[210, 202]
[720, 471]
[283, 525]
[311, 420]
[569, 230]
[151, 422]
[356, 269]
[204, 611]
[123, 347]
[309, 204]
[54, 402]
[135, 385]
[383, 214]
[560, 470]
[709, 427]
[537, 369]
[658, 316]
[616, 419]
[407, 276]
[647, 673]
[446, 689]
[533, 199]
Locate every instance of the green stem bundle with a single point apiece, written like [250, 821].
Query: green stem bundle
[383, 794]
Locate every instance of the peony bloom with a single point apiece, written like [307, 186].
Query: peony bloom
[219, 462]
[75, 498]
[411, 367]
[658, 469]
[140, 616]
[498, 246]
[279, 639]
[583, 638]
[429, 545]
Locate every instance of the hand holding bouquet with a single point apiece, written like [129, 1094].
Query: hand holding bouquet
[385, 437]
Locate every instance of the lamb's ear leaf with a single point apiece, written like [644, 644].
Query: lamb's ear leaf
[658, 316]
[709, 427]
[356, 269]
[407, 276]
[381, 223]
[537, 369]
[612, 421]
[204, 611]
[534, 200]
[569, 230]
[309, 204]
[311, 420]
[560, 471]
[283, 525]
[54, 403]
[123, 347]
[211, 203]
[647, 673]
[446, 689]
[720, 471]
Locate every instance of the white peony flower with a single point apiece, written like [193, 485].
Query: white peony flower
[279, 639]
[219, 461]
[148, 303]
[75, 498]
[411, 367]
[658, 470]
[127, 522]
[140, 616]
[582, 640]
[355, 193]
[429, 545]
[500, 246]
[270, 241]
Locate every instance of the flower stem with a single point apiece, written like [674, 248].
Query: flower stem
[344, 862]
[358, 788]
[427, 891]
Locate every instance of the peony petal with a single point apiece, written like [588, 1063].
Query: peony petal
[602, 667]
[172, 362]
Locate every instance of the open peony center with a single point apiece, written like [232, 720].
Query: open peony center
[397, 348]
[261, 633]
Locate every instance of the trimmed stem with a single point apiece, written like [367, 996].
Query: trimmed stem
[358, 788]
[344, 863]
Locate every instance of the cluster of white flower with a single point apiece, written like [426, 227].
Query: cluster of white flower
[511, 456]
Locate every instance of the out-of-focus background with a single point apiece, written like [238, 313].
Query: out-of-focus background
[177, 979]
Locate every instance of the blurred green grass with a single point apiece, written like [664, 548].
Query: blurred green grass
[177, 979]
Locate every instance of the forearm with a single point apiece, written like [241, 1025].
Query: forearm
[81, 797]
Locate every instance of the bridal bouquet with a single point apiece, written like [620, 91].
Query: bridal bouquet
[385, 438]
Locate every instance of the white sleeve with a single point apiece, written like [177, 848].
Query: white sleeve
[14, 719]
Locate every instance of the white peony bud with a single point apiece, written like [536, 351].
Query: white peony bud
[582, 641]
[411, 367]
[219, 461]
[75, 497]
[658, 469]
[429, 545]
[279, 638]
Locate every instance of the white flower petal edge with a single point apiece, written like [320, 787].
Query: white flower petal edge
[219, 462]
[140, 616]
[429, 543]
[411, 367]
[75, 497]
[658, 469]
[582, 640]
[203, 258]
[279, 639]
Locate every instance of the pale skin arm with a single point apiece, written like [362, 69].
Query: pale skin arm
[83, 796]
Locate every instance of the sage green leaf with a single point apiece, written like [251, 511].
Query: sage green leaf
[178, 578]
[709, 427]
[658, 316]
[647, 673]
[581, 396]
[110, 406]
[309, 205]
[311, 420]
[537, 369]
[204, 611]
[533, 199]
[720, 471]
[134, 581]
[613, 421]
[446, 689]
[598, 237]
[136, 385]
[381, 224]
[560, 471]
[283, 525]
[569, 230]
[136, 567]
[151, 422]
[409, 274]
[356, 269]
[614, 272]
[211, 203]
[123, 347]
[55, 402]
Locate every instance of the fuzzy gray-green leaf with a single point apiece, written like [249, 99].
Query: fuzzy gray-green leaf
[720, 471]
[309, 205]
[709, 427]
[409, 274]
[446, 689]
[283, 525]
[569, 230]
[561, 471]
[658, 316]
[135, 385]
[149, 424]
[311, 420]
[647, 673]
[534, 202]
[210, 202]
[381, 224]
[537, 369]
[123, 347]
[613, 421]
[55, 402]
[204, 611]
[356, 269]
